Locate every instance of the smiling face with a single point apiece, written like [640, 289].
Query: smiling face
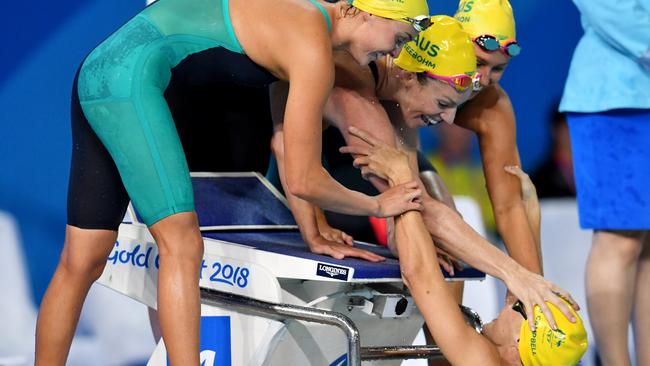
[426, 101]
[377, 37]
[491, 66]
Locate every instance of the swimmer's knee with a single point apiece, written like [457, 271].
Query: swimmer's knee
[82, 270]
[85, 251]
[622, 245]
[178, 235]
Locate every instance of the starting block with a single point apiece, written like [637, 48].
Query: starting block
[266, 299]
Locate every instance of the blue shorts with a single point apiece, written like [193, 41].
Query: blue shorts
[611, 158]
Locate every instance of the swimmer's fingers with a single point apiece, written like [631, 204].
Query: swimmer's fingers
[399, 199]
[355, 150]
[547, 314]
[347, 239]
[361, 161]
[563, 307]
[561, 294]
[446, 264]
[364, 135]
[340, 251]
[567, 296]
[337, 235]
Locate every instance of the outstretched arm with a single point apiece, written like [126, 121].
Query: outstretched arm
[460, 344]
[529, 287]
[491, 117]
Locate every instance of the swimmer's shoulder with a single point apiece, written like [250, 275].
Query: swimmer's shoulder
[492, 106]
[281, 34]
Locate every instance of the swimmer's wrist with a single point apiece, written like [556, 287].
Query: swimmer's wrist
[375, 207]
[400, 177]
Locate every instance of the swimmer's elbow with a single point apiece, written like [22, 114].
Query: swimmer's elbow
[277, 146]
[298, 185]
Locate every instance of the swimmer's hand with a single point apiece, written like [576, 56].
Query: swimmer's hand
[399, 199]
[320, 245]
[330, 233]
[532, 289]
[392, 165]
[377, 158]
[448, 262]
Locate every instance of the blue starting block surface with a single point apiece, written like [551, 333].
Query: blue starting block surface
[245, 209]
[291, 244]
[238, 201]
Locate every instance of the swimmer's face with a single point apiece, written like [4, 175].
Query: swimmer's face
[426, 102]
[378, 37]
[491, 66]
[503, 332]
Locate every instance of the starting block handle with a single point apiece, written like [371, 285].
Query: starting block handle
[288, 311]
[400, 352]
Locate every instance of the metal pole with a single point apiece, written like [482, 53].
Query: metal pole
[288, 311]
[400, 352]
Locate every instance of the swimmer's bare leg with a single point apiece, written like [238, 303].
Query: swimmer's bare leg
[642, 306]
[82, 262]
[610, 285]
[181, 249]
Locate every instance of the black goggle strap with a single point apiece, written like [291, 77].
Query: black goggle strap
[519, 307]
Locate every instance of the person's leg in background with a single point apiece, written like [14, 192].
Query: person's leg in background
[641, 312]
[610, 284]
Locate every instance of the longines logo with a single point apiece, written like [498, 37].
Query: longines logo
[328, 270]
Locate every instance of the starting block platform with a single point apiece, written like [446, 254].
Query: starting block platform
[266, 299]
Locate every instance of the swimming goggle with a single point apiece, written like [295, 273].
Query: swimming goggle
[490, 44]
[460, 82]
[420, 22]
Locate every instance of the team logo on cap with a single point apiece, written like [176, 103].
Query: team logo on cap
[556, 338]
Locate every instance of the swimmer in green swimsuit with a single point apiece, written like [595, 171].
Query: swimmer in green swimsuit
[119, 94]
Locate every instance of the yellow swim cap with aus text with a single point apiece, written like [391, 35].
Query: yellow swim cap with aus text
[443, 49]
[487, 17]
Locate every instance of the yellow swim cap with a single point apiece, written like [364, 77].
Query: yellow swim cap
[545, 346]
[487, 17]
[393, 9]
[443, 49]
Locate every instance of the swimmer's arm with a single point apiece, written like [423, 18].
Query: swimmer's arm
[460, 344]
[531, 202]
[305, 176]
[303, 211]
[308, 220]
[624, 24]
[496, 131]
